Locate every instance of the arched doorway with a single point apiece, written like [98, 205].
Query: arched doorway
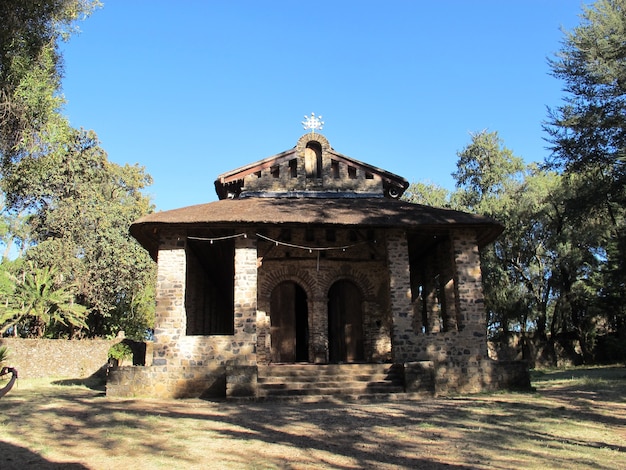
[345, 323]
[289, 323]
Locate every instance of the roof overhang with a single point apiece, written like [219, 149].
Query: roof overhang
[340, 212]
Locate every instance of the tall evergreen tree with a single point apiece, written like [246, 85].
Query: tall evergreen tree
[588, 137]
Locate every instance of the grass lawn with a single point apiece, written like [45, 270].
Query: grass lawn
[575, 419]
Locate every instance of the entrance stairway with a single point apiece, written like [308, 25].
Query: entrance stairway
[315, 381]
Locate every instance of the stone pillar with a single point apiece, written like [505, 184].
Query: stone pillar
[318, 330]
[431, 300]
[400, 296]
[241, 370]
[170, 301]
[470, 299]
[445, 259]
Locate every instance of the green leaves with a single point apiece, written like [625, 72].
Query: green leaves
[38, 302]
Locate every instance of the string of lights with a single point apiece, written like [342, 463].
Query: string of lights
[216, 239]
[311, 249]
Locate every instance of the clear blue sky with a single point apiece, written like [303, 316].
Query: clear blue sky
[192, 89]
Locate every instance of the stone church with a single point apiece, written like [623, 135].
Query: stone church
[310, 275]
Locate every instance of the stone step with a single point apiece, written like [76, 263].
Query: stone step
[347, 391]
[338, 385]
[329, 378]
[312, 380]
[330, 368]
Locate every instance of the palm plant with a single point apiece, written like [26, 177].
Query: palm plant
[37, 297]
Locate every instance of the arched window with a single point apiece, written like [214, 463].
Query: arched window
[313, 159]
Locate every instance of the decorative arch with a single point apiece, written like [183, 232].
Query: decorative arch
[304, 141]
[347, 273]
[287, 273]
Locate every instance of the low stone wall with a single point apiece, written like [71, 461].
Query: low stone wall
[233, 381]
[161, 382]
[419, 377]
[57, 357]
[478, 376]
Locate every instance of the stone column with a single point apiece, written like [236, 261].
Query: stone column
[400, 296]
[431, 300]
[241, 371]
[470, 300]
[318, 330]
[445, 258]
[170, 301]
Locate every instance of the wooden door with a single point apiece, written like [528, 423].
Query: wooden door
[345, 323]
[289, 323]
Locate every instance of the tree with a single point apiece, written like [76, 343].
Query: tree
[39, 305]
[588, 137]
[428, 194]
[80, 207]
[67, 208]
[31, 69]
[490, 181]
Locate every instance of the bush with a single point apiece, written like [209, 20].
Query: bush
[120, 351]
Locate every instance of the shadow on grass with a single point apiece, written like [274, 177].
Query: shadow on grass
[14, 457]
[95, 382]
[608, 373]
[459, 433]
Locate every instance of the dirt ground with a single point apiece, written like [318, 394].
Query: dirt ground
[575, 419]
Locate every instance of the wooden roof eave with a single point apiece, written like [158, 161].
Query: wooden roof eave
[148, 233]
[241, 172]
[386, 176]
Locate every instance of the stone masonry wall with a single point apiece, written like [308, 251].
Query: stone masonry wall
[56, 357]
[403, 339]
[280, 176]
[316, 277]
[190, 366]
[195, 365]
[459, 355]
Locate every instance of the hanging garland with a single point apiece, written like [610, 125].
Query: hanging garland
[217, 239]
[311, 249]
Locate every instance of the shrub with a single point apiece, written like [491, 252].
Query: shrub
[120, 351]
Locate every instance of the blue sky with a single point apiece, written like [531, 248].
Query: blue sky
[191, 89]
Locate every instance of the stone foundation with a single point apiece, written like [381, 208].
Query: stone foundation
[240, 381]
[161, 382]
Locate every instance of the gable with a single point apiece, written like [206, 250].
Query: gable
[311, 169]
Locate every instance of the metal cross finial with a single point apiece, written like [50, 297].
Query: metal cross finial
[312, 122]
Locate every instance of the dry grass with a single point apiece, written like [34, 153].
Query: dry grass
[575, 419]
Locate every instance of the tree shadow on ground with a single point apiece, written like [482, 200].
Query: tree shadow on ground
[14, 457]
[96, 381]
[461, 433]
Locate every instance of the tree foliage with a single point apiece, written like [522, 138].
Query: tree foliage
[547, 275]
[81, 206]
[588, 137]
[31, 70]
[66, 207]
[558, 271]
[40, 304]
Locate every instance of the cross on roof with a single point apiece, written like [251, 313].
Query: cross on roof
[313, 122]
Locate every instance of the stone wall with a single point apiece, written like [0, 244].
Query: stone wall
[164, 382]
[185, 365]
[56, 357]
[357, 264]
[293, 171]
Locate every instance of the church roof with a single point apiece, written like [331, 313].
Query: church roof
[310, 185]
[312, 168]
[373, 212]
